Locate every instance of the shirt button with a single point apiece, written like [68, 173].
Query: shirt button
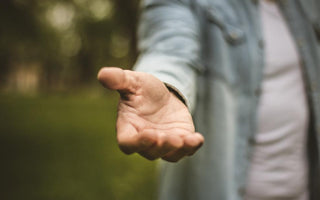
[234, 35]
[257, 92]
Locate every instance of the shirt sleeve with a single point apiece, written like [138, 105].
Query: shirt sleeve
[169, 45]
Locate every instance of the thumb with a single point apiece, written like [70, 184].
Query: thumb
[115, 78]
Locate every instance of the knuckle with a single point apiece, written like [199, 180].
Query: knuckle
[147, 140]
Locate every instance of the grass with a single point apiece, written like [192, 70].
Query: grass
[63, 147]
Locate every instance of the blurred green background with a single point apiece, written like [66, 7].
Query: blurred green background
[57, 124]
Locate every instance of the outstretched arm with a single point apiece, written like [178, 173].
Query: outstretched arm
[151, 120]
[169, 42]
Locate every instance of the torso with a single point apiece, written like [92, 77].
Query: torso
[279, 166]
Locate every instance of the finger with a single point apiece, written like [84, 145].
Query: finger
[164, 145]
[174, 156]
[130, 141]
[113, 78]
[134, 144]
[127, 137]
[192, 143]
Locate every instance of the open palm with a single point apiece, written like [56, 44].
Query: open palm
[151, 120]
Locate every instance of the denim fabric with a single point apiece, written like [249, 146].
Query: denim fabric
[212, 53]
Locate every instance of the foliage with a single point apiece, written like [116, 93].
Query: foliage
[60, 144]
[63, 147]
[65, 42]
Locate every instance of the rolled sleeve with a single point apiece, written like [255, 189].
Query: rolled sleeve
[169, 45]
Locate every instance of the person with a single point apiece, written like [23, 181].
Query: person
[245, 73]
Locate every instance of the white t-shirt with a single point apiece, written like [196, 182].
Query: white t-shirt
[279, 167]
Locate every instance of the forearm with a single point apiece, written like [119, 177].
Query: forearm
[169, 45]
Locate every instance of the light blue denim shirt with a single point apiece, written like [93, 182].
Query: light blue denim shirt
[212, 53]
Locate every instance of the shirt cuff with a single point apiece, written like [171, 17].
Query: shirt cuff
[176, 92]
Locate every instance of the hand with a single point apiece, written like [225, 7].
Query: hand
[151, 120]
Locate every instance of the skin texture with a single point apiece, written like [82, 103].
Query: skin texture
[151, 120]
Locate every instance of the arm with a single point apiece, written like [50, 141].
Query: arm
[169, 45]
[152, 121]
